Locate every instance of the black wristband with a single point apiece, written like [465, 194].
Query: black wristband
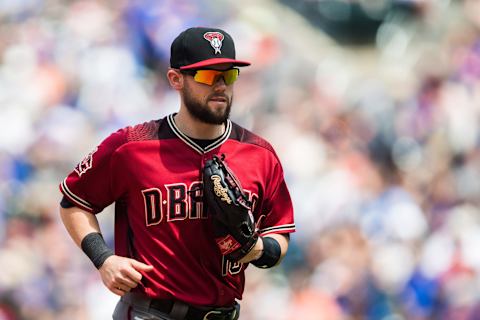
[96, 249]
[271, 254]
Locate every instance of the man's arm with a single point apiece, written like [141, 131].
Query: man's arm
[258, 249]
[119, 274]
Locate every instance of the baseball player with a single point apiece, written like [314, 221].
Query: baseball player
[197, 197]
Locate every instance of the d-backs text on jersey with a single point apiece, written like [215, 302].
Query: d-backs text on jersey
[178, 201]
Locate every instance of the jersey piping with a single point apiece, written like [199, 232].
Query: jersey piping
[192, 144]
[79, 201]
[278, 229]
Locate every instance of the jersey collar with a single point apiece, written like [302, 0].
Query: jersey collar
[192, 144]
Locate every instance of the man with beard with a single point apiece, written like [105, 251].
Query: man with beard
[167, 263]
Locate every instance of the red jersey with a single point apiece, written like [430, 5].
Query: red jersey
[153, 173]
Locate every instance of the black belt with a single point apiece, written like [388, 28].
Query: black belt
[195, 313]
[188, 312]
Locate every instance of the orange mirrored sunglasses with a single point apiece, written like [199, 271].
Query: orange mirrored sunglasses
[209, 76]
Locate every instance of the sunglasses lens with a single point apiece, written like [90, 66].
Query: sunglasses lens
[230, 76]
[206, 76]
[211, 76]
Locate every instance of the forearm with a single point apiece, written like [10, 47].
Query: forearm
[84, 230]
[79, 223]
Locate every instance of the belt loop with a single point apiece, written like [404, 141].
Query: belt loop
[179, 310]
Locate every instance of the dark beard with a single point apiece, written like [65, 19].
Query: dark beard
[201, 111]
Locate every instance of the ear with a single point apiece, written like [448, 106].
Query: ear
[175, 78]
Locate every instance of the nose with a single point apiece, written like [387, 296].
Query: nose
[220, 84]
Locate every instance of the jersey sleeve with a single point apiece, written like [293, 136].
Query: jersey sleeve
[90, 185]
[277, 213]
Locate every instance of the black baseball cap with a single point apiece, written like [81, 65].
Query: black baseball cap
[202, 47]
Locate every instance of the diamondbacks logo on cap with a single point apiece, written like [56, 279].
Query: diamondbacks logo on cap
[215, 39]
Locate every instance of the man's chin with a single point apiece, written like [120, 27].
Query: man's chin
[211, 118]
[216, 120]
[213, 112]
[218, 112]
[217, 107]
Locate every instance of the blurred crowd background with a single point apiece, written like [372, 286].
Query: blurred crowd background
[373, 107]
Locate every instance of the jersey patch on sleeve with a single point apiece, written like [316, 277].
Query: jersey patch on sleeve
[86, 163]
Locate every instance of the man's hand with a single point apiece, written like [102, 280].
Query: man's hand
[120, 274]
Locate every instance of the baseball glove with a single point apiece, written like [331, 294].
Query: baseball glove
[233, 223]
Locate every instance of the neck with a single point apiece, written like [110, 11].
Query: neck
[195, 128]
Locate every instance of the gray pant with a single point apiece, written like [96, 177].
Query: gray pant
[129, 311]
[134, 306]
